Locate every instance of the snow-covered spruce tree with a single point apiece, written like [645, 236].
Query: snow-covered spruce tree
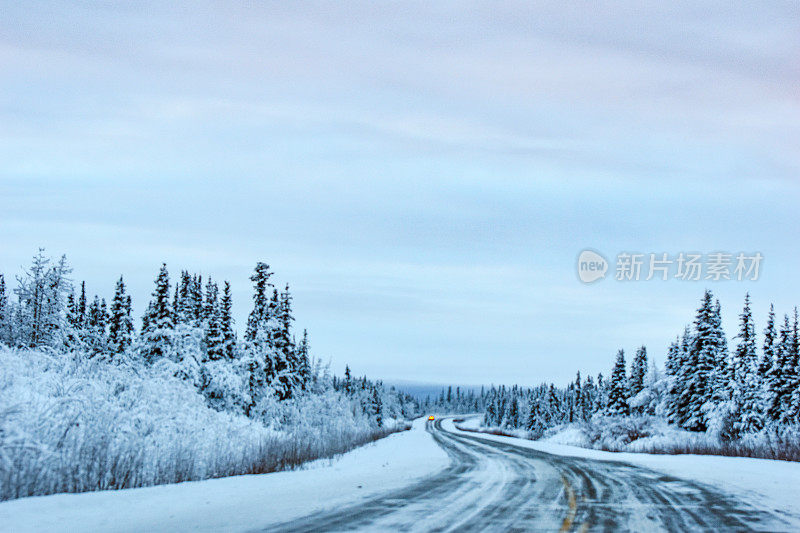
[722, 375]
[260, 352]
[578, 397]
[794, 409]
[212, 316]
[589, 392]
[638, 373]
[120, 323]
[304, 373]
[211, 301]
[222, 380]
[679, 397]
[347, 385]
[196, 291]
[377, 405]
[490, 413]
[618, 388]
[781, 376]
[672, 368]
[512, 418]
[96, 322]
[260, 315]
[601, 397]
[698, 369]
[4, 313]
[745, 386]
[83, 304]
[767, 362]
[553, 413]
[182, 304]
[157, 338]
[672, 363]
[226, 323]
[74, 338]
[536, 422]
[287, 367]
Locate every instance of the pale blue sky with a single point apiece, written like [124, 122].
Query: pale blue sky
[423, 174]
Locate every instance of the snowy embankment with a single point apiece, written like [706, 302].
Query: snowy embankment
[69, 423]
[237, 503]
[767, 484]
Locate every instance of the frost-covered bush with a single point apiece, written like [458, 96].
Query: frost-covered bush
[616, 432]
[648, 434]
[72, 424]
[224, 385]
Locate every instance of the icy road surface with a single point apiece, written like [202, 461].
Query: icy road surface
[496, 485]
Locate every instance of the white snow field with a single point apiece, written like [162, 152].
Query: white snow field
[766, 484]
[238, 503]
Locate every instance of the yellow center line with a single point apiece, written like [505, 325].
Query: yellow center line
[573, 506]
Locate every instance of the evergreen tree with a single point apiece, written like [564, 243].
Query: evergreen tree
[212, 313]
[4, 312]
[377, 406]
[512, 418]
[348, 381]
[211, 300]
[82, 306]
[638, 372]
[196, 299]
[305, 363]
[96, 335]
[673, 354]
[618, 388]
[158, 325]
[73, 339]
[261, 313]
[722, 374]
[226, 323]
[588, 398]
[745, 387]
[182, 303]
[578, 396]
[286, 367]
[553, 412]
[700, 366]
[536, 422]
[601, 397]
[794, 372]
[780, 380]
[120, 326]
[768, 348]
[260, 336]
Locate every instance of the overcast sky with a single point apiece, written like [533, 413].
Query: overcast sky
[423, 174]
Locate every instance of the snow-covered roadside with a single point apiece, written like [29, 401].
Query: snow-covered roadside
[766, 484]
[237, 503]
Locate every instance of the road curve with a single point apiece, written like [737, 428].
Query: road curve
[497, 486]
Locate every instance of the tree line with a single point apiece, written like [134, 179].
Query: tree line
[187, 327]
[704, 385]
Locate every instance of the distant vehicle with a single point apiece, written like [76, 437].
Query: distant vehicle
[430, 417]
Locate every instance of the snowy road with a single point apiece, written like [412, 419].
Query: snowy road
[499, 486]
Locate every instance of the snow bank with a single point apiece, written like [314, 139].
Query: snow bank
[768, 484]
[237, 503]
